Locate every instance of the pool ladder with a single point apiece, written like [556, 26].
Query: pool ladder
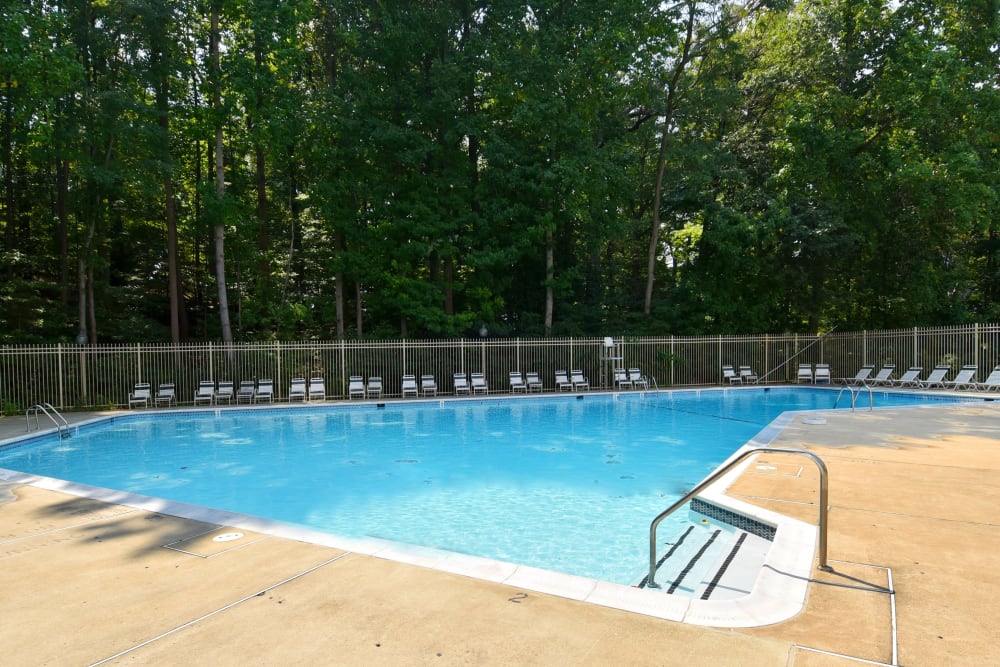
[856, 394]
[49, 411]
[823, 508]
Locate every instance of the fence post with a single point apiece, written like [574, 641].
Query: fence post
[62, 400]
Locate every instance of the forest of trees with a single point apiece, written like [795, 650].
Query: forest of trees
[289, 169]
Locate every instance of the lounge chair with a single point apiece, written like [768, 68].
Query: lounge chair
[637, 378]
[224, 392]
[747, 376]
[805, 374]
[374, 387]
[992, 380]
[205, 392]
[730, 374]
[317, 389]
[822, 374]
[462, 384]
[165, 394]
[936, 377]
[140, 395]
[965, 378]
[579, 381]
[621, 379]
[911, 378]
[884, 375]
[517, 382]
[355, 387]
[533, 381]
[409, 386]
[428, 386]
[297, 390]
[479, 385]
[264, 392]
[861, 376]
[245, 392]
[562, 381]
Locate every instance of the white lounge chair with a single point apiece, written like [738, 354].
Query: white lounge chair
[747, 376]
[884, 375]
[822, 374]
[205, 392]
[140, 395]
[578, 380]
[409, 387]
[637, 378]
[965, 378]
[165, 394]
[224, 392]
[622, 380]
[911, 378]
[730, 374]
[317, 389]
[245, 392]
[533, 381]
[374, 387]
[297, 390]
[991, 382]
[264, 391]
[805, 374]
[517, 382]
[936, 377]
[462, 384]
[355, 387]
[562, 381]
[861, 376]
[479, 385]
[428, 386]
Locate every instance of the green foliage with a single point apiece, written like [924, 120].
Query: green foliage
[425, 169]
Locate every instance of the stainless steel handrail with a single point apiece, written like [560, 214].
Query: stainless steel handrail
[45, 407]
[854, 396]
[823, 509]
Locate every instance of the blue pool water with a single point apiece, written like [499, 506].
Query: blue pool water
[557, 483]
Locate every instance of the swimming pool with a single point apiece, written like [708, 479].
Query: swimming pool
[561, 483]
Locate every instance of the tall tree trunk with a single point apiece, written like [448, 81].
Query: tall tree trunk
[220, 185]
[550, 274]
[338, 283]
[358, 309]
[10, 214]
[81, 283]
[668, 119]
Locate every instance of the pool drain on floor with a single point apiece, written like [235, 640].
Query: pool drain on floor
[227, 537]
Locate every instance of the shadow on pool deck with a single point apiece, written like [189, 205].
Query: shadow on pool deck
[913, 494]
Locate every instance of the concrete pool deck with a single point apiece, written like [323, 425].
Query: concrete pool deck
[913, 495]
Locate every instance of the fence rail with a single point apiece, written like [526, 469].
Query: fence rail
[101, 376]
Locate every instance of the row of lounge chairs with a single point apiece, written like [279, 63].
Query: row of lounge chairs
[262, 391]
[745, 375]
[965, 378]
[471, 384]
[225, 391]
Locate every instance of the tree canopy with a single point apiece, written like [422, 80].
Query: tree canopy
[321, 169]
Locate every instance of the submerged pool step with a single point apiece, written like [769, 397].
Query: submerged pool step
[714, 562]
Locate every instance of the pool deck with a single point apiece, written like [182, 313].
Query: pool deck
[914, 495]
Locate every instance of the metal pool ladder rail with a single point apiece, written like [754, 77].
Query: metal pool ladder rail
[49, 411]
[854, 395]
[823, 509]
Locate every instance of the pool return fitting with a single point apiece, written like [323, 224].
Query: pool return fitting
[823, 509]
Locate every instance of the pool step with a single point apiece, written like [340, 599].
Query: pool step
[710, 561]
